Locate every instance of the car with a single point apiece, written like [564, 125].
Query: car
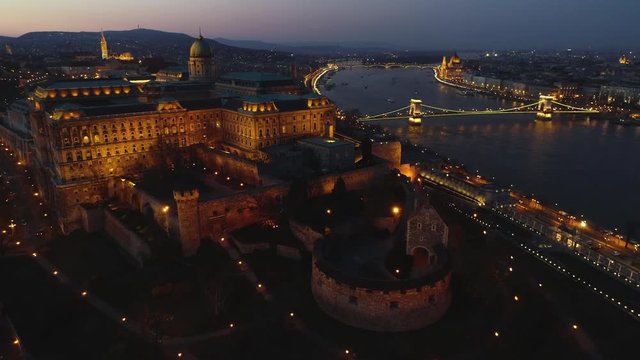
[616, 253]
[595, 247]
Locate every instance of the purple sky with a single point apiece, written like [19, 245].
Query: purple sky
[435, 24]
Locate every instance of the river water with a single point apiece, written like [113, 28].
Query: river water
[588, 167]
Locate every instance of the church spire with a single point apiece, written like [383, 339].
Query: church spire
[103, 46]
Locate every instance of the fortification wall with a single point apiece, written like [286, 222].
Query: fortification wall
[388, 150]
[231, 165]
[380, 310]
[353, 179]
[225, 214]
[126, 239]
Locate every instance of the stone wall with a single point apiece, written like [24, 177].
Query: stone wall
[379, 310]
[126, 239]
[353, 179]
[304, 233]
[225, 214]
[388, 150]
[229, 164]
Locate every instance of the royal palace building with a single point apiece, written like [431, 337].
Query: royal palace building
[86, 134]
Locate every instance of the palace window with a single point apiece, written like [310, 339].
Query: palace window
[394, 305]
[353, 300]
[419, 226]
[433, 227]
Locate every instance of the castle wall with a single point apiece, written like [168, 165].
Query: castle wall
[126, 192]
[126, 239]
[378, 310]
[304, 233]
[353, 179]
[388, 150]
[232, 212]
[69, 198]
[236, 167]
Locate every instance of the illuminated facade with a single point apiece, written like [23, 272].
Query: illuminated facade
[201, 67]
[104, 50]
[453, 70]
[624, 60]
[87, 133]
[103, 47]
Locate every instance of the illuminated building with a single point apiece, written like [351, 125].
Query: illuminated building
[125, 56]
[452, 70]
[624, 60]
[172, 73]
[90, 141]
[201, 67]
[103, 47]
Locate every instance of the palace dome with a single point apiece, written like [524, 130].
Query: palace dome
[200, 48]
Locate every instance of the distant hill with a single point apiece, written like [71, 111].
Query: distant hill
[140, 42]
[309, 47]
[170, 46]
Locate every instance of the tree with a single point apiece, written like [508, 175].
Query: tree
[216, 294]
[366, 147]
[298, 193]
[339, 188]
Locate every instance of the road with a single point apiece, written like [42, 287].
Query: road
[26, 223]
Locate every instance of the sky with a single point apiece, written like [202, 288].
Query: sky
[416, 24]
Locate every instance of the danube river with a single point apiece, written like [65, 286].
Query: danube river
[588, 167]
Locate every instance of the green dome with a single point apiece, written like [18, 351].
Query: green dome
[200, 49]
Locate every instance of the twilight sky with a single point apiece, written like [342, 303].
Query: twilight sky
[425, 24]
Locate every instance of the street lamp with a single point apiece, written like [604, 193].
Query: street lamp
[395, 210]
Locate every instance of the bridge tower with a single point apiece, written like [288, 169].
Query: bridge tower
[545, 107]
[415, 112]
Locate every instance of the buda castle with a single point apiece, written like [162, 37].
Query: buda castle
[86, 137]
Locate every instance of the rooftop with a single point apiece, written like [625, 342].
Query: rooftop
[255, 76]
[78, 84]
[277, 97]
[325, 142]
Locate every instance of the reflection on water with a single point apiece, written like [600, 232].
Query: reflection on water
[588, 166]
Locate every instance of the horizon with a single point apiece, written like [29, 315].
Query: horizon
[432, 25]
[302, 43]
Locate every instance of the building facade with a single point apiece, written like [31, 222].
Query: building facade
[201, 66]
[451, 70]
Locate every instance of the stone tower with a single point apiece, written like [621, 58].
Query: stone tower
[103, 46]
[188, 220]
[425, 231]
[201, 67]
